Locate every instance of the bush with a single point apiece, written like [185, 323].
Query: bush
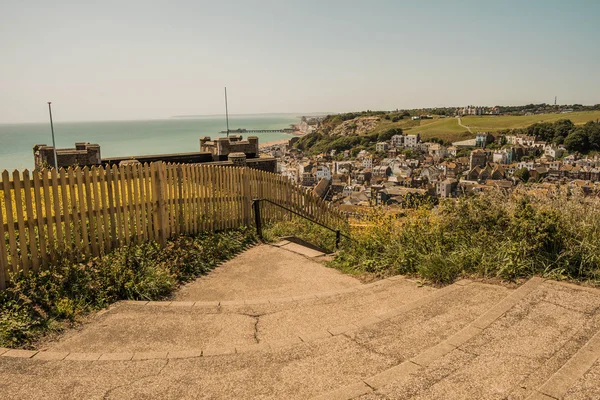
[38, 303]
[489, 235]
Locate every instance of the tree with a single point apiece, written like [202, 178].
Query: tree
[577, 140]
[592, 130]
[387, 135]
[522, 174]
[563, 127]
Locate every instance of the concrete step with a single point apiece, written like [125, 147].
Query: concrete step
[538, 343]
[178, 326]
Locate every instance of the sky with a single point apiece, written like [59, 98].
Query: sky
[116, 60]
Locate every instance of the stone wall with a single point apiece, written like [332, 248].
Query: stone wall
[220, 148]
[84, 154]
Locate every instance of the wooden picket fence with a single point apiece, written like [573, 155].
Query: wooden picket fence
[79, 213]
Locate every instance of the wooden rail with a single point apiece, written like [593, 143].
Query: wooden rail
[79, 213]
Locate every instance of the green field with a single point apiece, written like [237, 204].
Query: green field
[449, 129]
[490, 123]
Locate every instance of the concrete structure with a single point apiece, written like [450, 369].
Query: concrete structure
[279, 325]
[221, 147]
[83, 154]
[221, 151]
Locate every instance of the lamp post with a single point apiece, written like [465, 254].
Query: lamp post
[53, 141]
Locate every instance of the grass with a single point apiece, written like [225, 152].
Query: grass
[37, 304]
[492, 235]
[491, 123]
[448, 128]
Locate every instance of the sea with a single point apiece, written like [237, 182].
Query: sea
[132, 138]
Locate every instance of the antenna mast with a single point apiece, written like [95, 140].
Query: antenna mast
[226, 112]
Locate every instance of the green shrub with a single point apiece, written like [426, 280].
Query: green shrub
[493, 234]
[40, 302]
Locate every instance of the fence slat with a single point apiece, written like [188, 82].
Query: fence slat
[102, 181]
[82, 212]
[37, 194]
[57, 210]
[136, 203]
[74, 214]
[148, 201]
[118, 205]
[48, 207]
[3, 254]
[24, 257]
[35, 259]
[66, 211]
[10, 221]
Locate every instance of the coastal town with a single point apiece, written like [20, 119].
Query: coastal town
[406, 168]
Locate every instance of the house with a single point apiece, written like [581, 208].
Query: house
[381, 147]
[477, 158]
[446, 188]
[411, 141]
[482, 139]
[452, 150]
[367, 162]
[431, 173]
[382, 171]
[323, 172]
[553, 151]
[451, 169]
[437, 150]
[397, 141]
[308, 179]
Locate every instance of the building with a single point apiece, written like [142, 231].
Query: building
[397, 141]
[446, 188]
[381, 147]
[220, 148]
[411, 141]
[323, 172]
[222, 151]
[84, 155]
[482, 139]
[477, 158]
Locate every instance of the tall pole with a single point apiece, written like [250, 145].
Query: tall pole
[52, 129]
[226, 112]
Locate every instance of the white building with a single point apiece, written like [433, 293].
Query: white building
[554, 152]
[397, 141]
[411, 141]
[323, 172]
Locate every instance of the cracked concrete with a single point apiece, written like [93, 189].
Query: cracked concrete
[509, 357]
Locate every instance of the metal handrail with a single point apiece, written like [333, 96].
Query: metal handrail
[257, 219]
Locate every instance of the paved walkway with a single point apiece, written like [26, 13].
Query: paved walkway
[324, 336]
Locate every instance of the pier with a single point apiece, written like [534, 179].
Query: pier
[284, 130]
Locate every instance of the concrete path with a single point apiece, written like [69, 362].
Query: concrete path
[332, 338]
[267, 272]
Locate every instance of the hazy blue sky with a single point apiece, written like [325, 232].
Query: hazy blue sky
[154, 59]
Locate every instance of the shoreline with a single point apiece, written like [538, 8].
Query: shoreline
[278, 142]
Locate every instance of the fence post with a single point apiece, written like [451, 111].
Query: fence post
[338, 237]
[256, 206]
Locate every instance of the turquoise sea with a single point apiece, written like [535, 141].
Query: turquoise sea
[124, 138]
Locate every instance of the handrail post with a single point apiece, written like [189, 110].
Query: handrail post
[256, 206]
[338, 237]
